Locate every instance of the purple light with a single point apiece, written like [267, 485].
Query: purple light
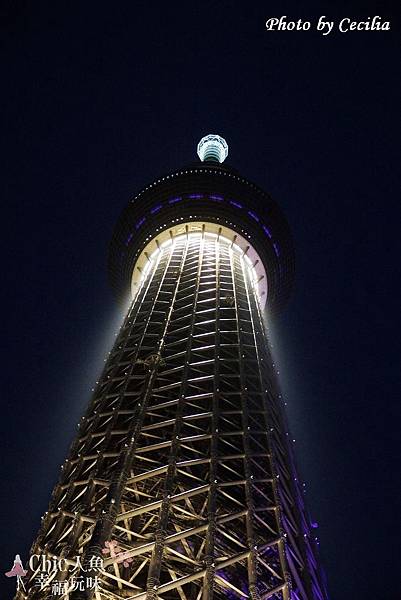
[237, 204]
[156, 209]
[229, 594]
[140, 222]
[217, 198]
[195, 196]
[129, 238]
[267, 231]
[173, 200]
[316, 591]
[251, 214]
[276, 250]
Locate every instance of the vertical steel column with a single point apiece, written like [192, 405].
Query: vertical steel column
[238, 280]
[208, 586]
[155, 565]
[257, 332]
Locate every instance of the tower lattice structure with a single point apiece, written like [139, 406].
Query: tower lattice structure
[182, 460]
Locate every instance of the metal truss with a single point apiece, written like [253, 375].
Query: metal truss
[182, 457]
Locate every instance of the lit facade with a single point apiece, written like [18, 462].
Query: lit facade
[182, 457]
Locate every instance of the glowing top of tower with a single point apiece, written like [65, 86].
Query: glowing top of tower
[215, 199]
[212, 148]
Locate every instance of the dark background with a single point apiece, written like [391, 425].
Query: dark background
[98, 99]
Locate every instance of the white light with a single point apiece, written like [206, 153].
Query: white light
[256, 280]
[154, 254]
[212, 148]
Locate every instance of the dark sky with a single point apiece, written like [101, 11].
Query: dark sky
[98, 99]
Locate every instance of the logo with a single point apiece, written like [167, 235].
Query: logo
[17, 571]
[75, 574]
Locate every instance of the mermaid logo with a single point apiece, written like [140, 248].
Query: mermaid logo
[17, 571]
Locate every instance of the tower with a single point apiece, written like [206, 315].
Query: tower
[181, 477]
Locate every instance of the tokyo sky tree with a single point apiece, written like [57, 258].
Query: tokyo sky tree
[181, 479]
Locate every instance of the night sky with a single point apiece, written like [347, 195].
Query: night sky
[98, 99]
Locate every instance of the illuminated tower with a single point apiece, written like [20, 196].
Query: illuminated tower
[182, 458]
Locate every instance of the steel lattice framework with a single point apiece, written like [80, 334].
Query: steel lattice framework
[182, 457]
